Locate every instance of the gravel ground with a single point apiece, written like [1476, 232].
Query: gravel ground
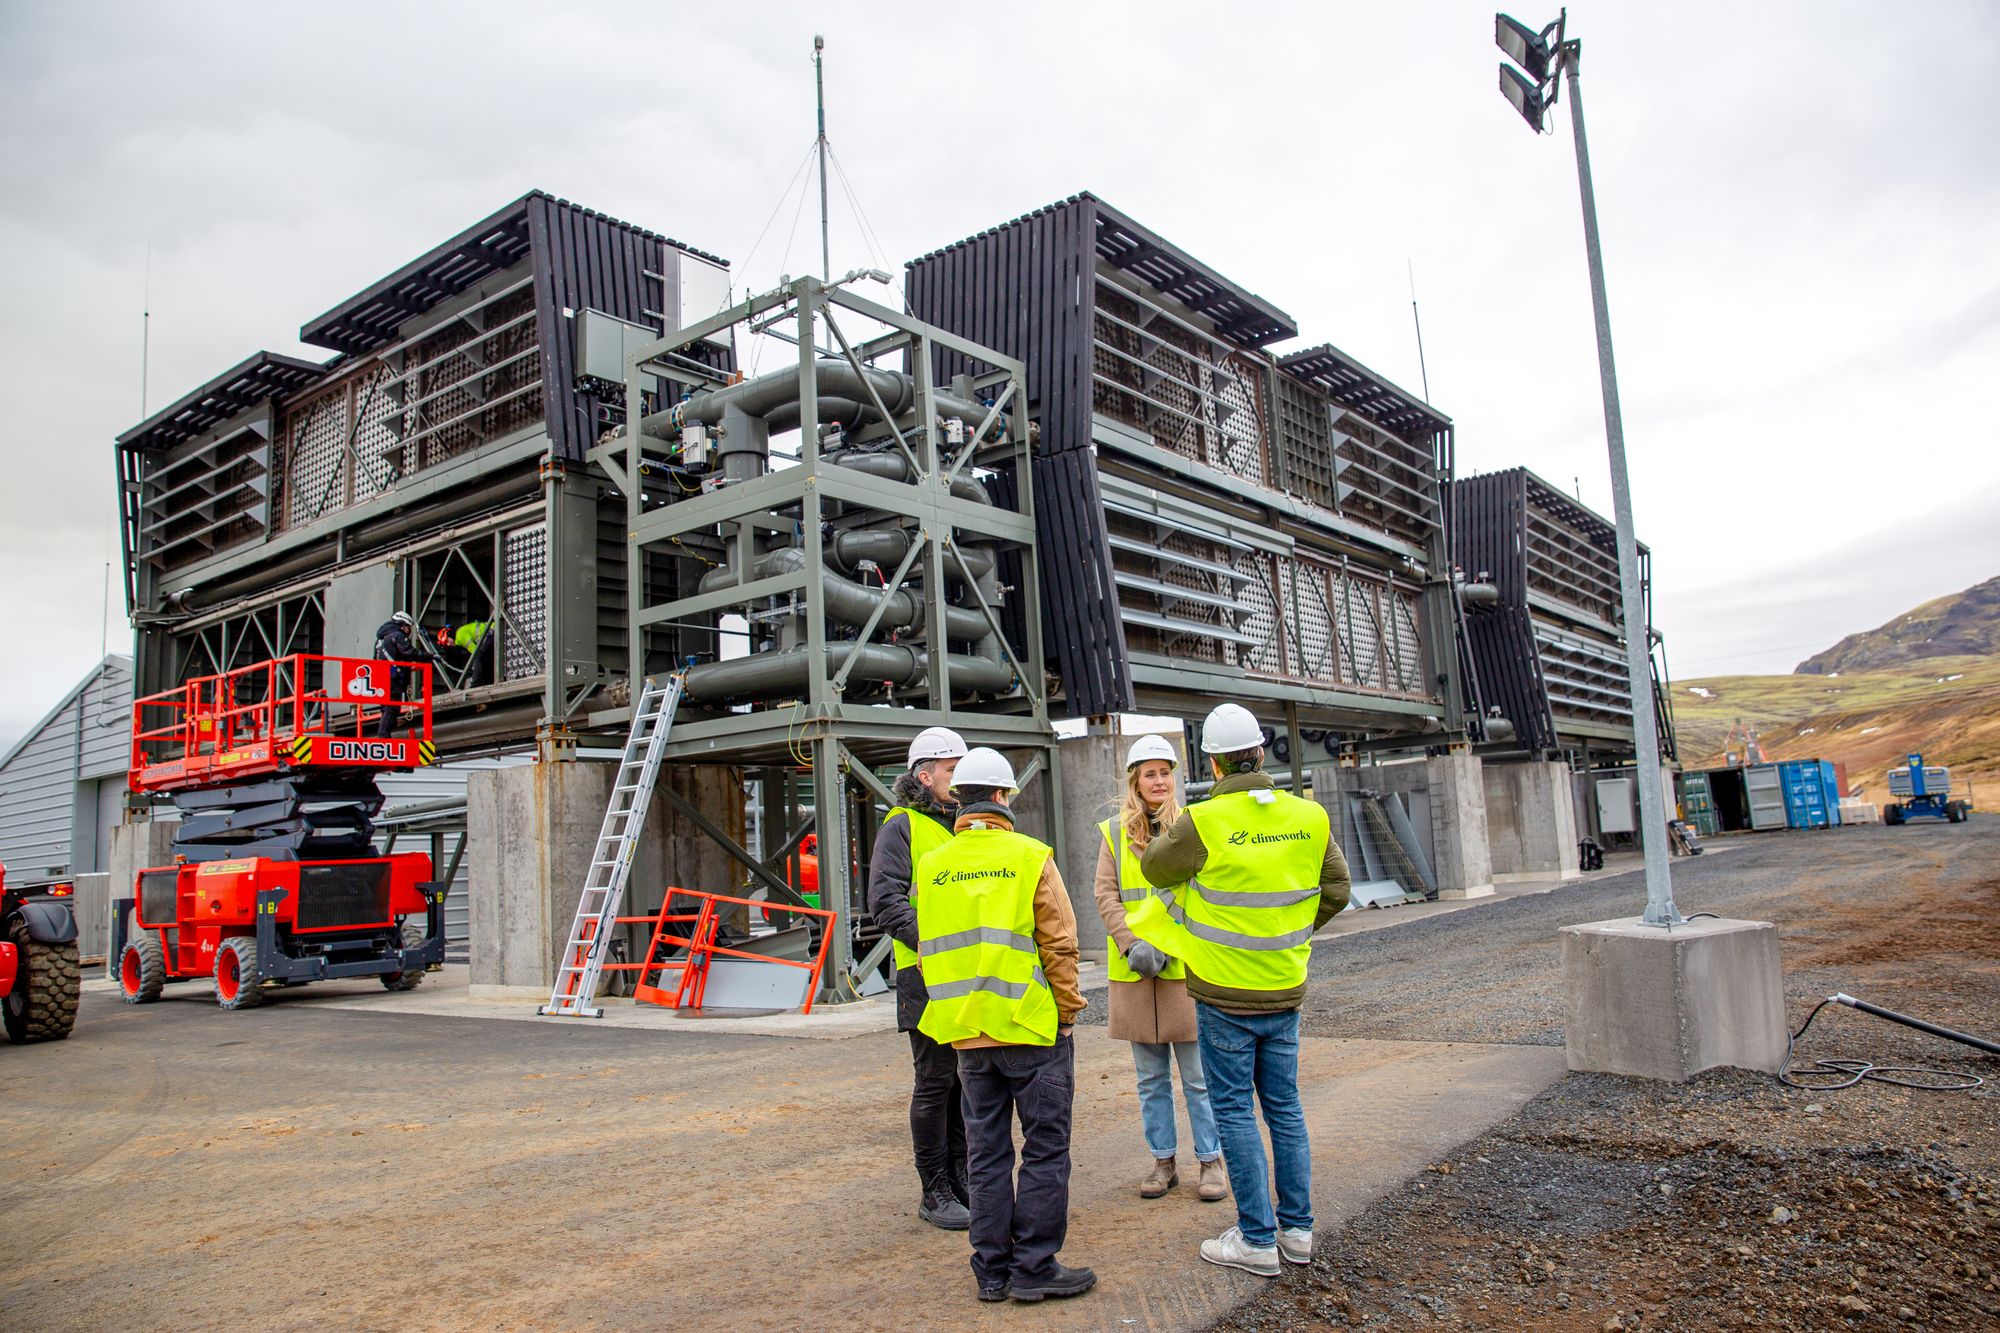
[1728, 1202]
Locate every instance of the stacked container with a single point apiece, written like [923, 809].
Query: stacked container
[1812, 793]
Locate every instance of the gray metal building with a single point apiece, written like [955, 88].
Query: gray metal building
[62, 786]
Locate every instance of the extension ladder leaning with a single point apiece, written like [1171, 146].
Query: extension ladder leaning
[582, 960]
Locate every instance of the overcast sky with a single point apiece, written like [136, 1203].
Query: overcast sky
[1800, 208]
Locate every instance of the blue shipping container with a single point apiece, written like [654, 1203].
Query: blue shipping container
[1811, 800]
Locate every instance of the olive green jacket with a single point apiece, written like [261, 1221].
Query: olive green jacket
[1177, 856]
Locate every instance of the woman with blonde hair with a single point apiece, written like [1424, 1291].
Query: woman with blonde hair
[1150, 1005]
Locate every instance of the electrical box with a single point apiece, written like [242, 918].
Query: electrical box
[1614, 806]
[603, 342]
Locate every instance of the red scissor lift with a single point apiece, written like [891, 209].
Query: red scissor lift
[276, 878]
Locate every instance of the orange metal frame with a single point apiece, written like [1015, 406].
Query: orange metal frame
[277, 715]
[701, 949]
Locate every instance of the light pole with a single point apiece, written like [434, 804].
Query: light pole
[1546, 56]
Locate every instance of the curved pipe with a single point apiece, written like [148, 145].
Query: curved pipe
[834, 379]
[887, 547]
[852, 603]
[776, 675]
[892, 466]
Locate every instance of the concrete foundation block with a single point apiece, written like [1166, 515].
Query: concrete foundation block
[1530, 821]
[1448, 807]
[1667, 1004]
[137, 846]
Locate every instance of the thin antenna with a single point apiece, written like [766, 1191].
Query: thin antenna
[145, 328]
[1423, 369]
[819, 87]
[1576, 484]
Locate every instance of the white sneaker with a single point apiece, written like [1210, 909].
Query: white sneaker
[1231, 1251]
[1296, 1245]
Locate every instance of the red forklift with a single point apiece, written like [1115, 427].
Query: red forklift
[276, 880]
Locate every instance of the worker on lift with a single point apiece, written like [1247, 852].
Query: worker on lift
[1246, 878]
[997, 943]
[396, 644]
[921, 823]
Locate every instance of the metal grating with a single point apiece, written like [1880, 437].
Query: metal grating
[1302, 459]
[524, 592]
[315, 439]
[1257, 595]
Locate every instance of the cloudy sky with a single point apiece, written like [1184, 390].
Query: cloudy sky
[1800, 207]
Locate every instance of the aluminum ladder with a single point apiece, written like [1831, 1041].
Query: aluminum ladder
[582, 960]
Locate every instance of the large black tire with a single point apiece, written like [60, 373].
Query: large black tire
[1892, 813]
[42, 1005]
[239, 982]
[142, 971]
[415, 932]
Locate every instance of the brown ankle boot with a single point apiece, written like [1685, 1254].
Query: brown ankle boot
[1162, 1178]
[1214, 1182]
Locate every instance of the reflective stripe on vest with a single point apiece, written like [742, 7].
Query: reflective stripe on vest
[975, 899]
[1246, 921]
[926, 836]
[1134, 892]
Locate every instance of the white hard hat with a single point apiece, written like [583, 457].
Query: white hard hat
[984, 768]
[402, 618]
[936, 743]
[1229, 729]
[1150, 747]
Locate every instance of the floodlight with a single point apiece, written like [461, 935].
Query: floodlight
[1524, 46]
[1524, 93]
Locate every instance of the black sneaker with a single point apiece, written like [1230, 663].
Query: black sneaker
[993, 1291]
[1060, 1282]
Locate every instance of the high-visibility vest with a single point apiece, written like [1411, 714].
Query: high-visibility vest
[976, 928]
[1137, 896]
[926, 836]
[471, 634]
[1246, 921]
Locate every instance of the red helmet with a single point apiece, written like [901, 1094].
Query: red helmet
[444, 636]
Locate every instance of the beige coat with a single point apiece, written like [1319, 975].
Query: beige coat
[1150, 1009]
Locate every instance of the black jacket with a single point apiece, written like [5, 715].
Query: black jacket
[889, 895]
[393, 642]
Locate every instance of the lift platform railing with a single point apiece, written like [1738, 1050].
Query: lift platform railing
[285, 713]
[699, 948]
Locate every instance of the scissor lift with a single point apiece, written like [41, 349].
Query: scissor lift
[276, 878]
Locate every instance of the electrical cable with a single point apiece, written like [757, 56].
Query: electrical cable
[1850, 1072]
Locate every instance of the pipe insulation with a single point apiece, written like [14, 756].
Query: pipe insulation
[886, 547]
[760, 397]
[784, 673]
[892, 466]
[851, 603]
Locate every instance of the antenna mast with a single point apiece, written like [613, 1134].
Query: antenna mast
[1422, 369]
[819, 86]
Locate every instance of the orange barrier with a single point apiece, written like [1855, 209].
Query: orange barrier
[700, 948]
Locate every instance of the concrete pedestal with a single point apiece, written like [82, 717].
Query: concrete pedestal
[1530, 821]
[1451, 821]
[1093, 785]
[1667, 1004]
[532, 829]
[134, 847]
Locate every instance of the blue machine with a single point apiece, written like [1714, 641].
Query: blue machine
[1926, 792]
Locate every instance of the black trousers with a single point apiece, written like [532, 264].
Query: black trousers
[1018, 1226]
[937, 1124]
[399, 689]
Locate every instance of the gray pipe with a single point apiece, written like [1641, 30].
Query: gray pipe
[887, 547]
[851, 603]
[835, 380]
[890, 465]
[776, 675]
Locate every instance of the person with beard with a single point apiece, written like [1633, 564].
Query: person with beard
[921, 823]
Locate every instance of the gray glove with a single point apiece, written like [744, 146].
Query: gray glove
[1146, 960]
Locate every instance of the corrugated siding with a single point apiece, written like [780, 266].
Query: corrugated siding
[1489, 519]
[81, 742]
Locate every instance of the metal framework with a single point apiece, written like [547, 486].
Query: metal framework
[891, 478]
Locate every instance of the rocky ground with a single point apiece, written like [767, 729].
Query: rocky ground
[1732, 1201]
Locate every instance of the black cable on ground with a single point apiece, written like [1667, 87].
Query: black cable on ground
[1846, 1073]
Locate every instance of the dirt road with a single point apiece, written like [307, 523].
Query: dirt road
[302, 1166]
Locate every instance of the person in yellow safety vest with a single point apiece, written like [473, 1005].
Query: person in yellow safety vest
[1245, 878]
[920, 823]
[471, 639]
[1150, 1006]
[997, 944]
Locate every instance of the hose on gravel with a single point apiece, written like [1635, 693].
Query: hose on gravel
[1846, 1073]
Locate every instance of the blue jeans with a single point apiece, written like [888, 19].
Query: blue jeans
[1155, 1063]
[1258, 1054]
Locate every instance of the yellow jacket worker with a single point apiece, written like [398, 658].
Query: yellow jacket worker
[996, 940]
